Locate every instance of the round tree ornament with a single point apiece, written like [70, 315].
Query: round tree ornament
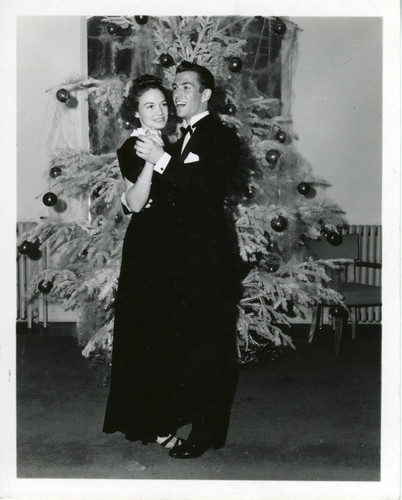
[250, 192]
[49, 199]
[230, 109]
[235, 64]
[45, 286]
[279, 224]
[63, 95]
[141, 19]
[272, 156]
[280, 27]
[166, 60]
[55, 172]
[127, 125]
[26, 247]
[112, 29]
[334, 239]
[281, 136]
[304, 188]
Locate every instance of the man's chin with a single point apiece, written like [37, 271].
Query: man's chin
[180, 113]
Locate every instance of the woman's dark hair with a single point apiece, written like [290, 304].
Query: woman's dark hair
[205, 77]
[138, 87]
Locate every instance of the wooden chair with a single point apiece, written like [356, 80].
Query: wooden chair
[355, 295]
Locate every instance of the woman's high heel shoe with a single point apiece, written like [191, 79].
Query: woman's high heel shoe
[170, 441]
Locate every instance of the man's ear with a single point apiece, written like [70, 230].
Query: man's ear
[206, 95]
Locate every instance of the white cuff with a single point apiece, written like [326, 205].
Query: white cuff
[161, 165]
[124, 202]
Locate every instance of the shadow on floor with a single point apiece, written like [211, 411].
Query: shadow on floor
[305, 415]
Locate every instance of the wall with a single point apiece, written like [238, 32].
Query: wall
[50, 51]
[336, 109]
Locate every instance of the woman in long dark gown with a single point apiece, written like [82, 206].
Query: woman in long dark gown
[141, 402]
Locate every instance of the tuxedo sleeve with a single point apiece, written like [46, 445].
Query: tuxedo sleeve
[205, 180]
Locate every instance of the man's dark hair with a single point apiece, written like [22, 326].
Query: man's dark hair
[205, 77]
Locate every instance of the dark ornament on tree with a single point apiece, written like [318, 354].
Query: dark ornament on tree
[63, 95]
[112, 29]
[141, 19]
[271, 263]
[281, 136]
[230, 109]
[334, 238]
[235, 64]
[272, 247]
[250, 192]
[272, 156]
[49, 199]
[337, 312]
[127, 125]
[45, 286]
[107, 109]
[304, 188]
[118, 218]
[279, 224]
[280, 28]
[55, 172]
[166, 60]
[25, 247]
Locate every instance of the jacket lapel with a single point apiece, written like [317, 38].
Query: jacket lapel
[197, 137]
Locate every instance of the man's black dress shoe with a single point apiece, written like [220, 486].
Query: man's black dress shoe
[186, 449]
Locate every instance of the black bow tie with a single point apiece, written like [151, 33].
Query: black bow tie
[189, 129]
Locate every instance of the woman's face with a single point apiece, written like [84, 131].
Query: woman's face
[152, 109]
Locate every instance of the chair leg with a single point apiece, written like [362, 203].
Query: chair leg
[338, 334]
[315, 319]
[353, 321]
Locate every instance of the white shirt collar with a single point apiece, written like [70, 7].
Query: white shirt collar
[197, 118]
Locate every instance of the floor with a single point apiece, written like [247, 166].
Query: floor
[298, 415]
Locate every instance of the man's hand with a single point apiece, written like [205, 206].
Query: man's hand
[148, 149]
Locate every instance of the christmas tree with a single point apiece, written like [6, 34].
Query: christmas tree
[275, 201]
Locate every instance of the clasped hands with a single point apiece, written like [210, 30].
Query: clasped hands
[149, 148]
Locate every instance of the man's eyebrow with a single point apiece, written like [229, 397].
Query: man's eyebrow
[183, 83]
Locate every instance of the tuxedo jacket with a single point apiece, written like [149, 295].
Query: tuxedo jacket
[197, 178]
[196, 181]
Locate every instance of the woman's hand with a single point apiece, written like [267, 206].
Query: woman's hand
[148, 149]
[155, 136]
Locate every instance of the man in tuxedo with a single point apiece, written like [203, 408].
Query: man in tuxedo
[196, 172]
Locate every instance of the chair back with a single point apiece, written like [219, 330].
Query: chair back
[321, 249]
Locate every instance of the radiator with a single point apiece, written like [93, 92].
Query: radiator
[370, 250]
[370, 246]
[27, 267]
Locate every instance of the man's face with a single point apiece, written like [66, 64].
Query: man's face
[187, 97]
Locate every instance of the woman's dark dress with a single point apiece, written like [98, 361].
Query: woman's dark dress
[141, 401]
[176, 312]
